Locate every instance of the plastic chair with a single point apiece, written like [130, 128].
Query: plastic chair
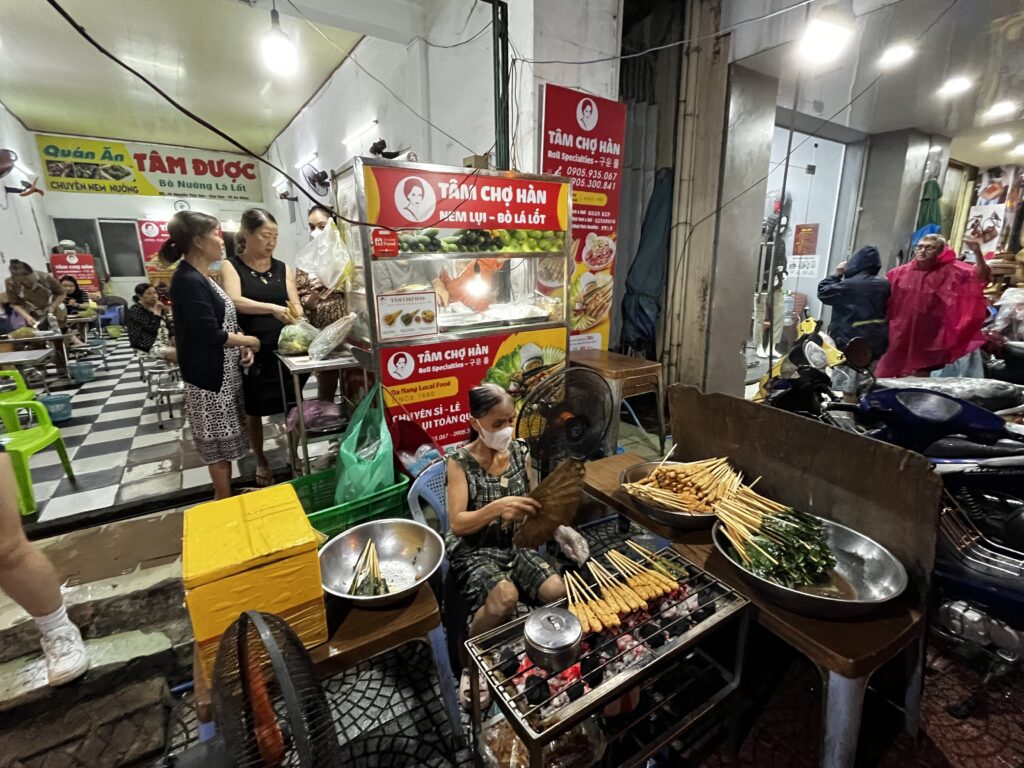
[20, 393]
[20, 443]
[430, 488]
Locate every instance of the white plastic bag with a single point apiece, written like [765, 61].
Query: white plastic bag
[331, 337]
[573, 544]
[327, 259]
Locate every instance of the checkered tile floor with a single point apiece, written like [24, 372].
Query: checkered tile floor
[120, 451]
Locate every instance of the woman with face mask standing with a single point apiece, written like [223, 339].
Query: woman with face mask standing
[322, 306]
[262, 289]
[488, 484]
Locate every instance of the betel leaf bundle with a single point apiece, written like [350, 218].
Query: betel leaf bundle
[774, 541]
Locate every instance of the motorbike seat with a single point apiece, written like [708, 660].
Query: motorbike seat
[962, 448]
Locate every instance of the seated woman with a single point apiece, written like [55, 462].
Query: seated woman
[487, 486]
[75, 299]
[149, 332]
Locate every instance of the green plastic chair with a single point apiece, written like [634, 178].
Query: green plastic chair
[20, 393]
[20, 443]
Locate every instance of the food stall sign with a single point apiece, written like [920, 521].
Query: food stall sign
[152, 235]
[407, 314]
[429, 383]
[418, 204]
[81, 266]
[78, 165]
[583, 138]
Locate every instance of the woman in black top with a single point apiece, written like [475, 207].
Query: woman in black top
[262, 288]
[208, 342]
[147, 323]
[75, 299]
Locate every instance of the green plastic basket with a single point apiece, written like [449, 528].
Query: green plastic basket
[317, 490]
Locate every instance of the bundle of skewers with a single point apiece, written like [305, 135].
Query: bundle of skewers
[367, 581]
[649, 583]
[694, 487]
[774, 541]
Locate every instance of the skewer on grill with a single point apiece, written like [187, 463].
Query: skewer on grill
[599, 609]
[624, 595]
[645, 582]
[583, 612]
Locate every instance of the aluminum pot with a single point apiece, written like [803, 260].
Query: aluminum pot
[553, 637]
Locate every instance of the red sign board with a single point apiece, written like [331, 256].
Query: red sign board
[81, 266]
[385, 242]
[152, 235]
[583, 139]
[805, 239]
[430, 383]
[405, 198]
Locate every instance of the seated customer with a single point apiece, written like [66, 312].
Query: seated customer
[488, 485]
[75, 299]
[149, 332]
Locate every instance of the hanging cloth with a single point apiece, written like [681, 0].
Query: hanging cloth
[929, 212]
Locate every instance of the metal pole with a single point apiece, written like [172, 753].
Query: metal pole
[499, 38]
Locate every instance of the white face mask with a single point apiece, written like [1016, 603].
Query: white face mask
[315, 234]
[497, 441]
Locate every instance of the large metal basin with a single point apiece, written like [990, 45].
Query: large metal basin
[687, 521]
[873, 574]
[409, 553]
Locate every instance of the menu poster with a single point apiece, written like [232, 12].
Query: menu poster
[430, 383]
[582, 139]
[406, 315]
[805, 239]
[152, 235]
[81, 266]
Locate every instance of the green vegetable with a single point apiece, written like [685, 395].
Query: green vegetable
[504, 369]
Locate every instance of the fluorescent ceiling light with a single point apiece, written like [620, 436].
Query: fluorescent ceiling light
[999, 139]
[895, 55]
[935, 148]
[307, 160]
[1001, 109]
[826, 35]
[144, 63]
[279, 54]
[1018, 150]
[355, 136]
[955, 86]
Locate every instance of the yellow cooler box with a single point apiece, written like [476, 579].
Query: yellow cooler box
[258, 552]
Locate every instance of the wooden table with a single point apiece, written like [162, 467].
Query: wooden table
[846, 652]
[27, 358]
[626, 376]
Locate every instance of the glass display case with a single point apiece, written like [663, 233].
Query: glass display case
[457, 269]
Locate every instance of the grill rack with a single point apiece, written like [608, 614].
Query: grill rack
[717, 603]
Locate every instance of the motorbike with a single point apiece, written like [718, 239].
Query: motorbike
[978, 581]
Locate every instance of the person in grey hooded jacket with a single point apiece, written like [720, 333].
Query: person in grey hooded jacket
[859, 297]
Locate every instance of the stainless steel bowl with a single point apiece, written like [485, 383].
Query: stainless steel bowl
[688, 521]
[873, 574]
[409, 553]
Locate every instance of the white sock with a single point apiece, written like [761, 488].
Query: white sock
[53, 621]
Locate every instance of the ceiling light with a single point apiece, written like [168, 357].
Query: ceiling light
[999, 139]
[279, 55]
[351, 138]
[935, 148]
[307, 160]
[895, 55]
[280, 184]
[1018, 150]
[827, 35]
[1001, 109]
[955, 86]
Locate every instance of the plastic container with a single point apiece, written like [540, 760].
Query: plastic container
[58, 406]
[316, 494]
[115, 331]
[81, 372]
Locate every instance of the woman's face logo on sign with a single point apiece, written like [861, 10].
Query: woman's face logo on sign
[586, 114]
[414, 199]
[401, 365]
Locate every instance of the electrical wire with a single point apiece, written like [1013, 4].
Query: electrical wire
[352, 57]
[453, 45]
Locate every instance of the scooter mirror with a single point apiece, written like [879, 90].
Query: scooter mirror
[815, 356]
[858, 353]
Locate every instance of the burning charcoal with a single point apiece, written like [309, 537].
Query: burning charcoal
[537, 691]
[652, 635]
[592, 670]
[508, 663]
[575, 690]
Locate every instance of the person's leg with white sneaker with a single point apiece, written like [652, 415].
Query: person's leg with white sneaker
[31, 581]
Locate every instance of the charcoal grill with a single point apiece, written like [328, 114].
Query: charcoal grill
[710, 605]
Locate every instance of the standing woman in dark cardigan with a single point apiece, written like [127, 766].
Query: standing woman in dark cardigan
[211, 351]
[262, 288]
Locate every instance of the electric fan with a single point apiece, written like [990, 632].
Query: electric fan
[567, 415]
[317, 180]
[268, 705]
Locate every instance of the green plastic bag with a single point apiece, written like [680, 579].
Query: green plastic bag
[365, 461]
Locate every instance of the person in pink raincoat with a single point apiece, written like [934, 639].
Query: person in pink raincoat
[935, 312]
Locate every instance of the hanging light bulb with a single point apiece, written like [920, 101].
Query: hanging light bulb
[279, 55]
[477, 286]
[827, 34]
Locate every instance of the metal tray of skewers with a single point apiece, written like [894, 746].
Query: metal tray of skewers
[680, 494]
[639, 613]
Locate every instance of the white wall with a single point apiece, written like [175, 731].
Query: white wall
[25, 231]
